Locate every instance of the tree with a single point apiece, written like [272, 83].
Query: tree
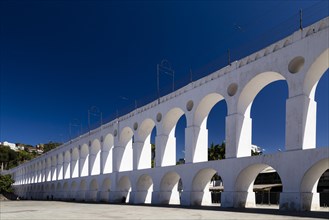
[8, 157]
[49, 146]
[6, 183]
[152, 155]
[216, 152]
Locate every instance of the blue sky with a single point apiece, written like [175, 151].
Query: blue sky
[60, 58]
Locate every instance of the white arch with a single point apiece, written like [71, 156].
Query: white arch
[94, 157]
[60, 160]
[66, 190]
[243, 123]
[245, 197]
[105, 189]
[93, 190]
[107, 154]
[312, 175]
[144, 189]
[169, 188]
[200, 194]
[166, 146]
[125, 155]
[142, 148]
[75, 162]
[252, 88]
[82, 190]
[53, 168]
[200, 131]
[310, 199]
[48, 169]
[84, 160]
[314, 73]
[67, 164]
[124, 189]
[73, 190]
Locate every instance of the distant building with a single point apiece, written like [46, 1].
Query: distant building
[11, 145]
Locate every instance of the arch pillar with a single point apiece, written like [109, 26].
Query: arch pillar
[53, 171]
[196, 143]
[101, 167]
[67, 167]
[60, 172]
[118, 152]
[165, 149]
[299, 201]
[300, 123]
[142, 154]
[238, 135]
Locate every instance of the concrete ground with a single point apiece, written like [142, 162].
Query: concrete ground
[67, 210]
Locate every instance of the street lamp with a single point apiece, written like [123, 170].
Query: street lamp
[164, 67]
[94, 111]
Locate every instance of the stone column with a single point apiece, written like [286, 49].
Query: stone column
[101, 168]
[118, 151]
[165, 150]
[53, 171]
[300, 123]
[238, 136]
[141, 154]
[196, 143]
[79, 161]
[59, 169]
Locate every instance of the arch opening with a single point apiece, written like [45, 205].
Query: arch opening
[84, 160]
[314, 186]
[171, 187]
[75, 162]
[73, 190]
[144, 190]
[207, 186]
[125, 159]
[81, 195]
[124, 189]
[93, 191]
[258, 185]
[322, 111]
[105, 190]
[255, 87]
[67, 164]
[145, 154]
[323, 189]
[173, 138]
[269, 108]
[213, 106]
[60, 160]
[107, 154]
[94, 157]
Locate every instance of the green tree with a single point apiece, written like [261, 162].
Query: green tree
[8, 157]
[6, 183]
[216, 152]
[152, 155]
[49, 146]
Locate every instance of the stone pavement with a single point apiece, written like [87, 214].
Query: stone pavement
[69, 210]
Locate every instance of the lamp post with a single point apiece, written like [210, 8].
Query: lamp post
[94, 111]
[165, 68]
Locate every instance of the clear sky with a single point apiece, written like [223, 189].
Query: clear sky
[60, 58]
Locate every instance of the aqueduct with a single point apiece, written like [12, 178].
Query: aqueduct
[113, 162]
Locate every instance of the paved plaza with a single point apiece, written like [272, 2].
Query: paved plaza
[68, 210]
